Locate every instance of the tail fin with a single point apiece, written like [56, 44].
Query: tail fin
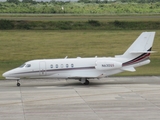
[143, 44]
[140, 50]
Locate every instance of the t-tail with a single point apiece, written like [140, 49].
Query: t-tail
[138, 53]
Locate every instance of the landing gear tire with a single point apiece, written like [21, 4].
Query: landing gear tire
[86, 82]
[18, 84]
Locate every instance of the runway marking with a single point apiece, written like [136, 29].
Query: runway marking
[22, 102]
[53, 87]
[46, 87]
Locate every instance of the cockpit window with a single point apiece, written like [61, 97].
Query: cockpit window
[22, 66]
[28, 65]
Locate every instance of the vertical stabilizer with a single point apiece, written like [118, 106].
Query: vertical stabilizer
[143, 44]
[138, 53]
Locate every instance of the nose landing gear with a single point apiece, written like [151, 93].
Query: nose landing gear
[18, 83]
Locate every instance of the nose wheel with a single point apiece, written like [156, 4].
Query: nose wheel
[18, 83]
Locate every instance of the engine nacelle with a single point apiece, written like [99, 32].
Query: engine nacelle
[107, 65]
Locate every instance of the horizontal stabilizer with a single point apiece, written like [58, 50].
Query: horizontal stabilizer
[139, 52]
[131, 69]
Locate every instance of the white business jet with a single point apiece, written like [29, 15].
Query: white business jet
[83, 69]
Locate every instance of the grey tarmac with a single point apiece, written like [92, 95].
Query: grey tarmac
[113, 98]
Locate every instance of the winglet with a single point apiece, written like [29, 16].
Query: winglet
[66, 57]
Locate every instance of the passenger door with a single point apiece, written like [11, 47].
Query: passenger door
[42, 68]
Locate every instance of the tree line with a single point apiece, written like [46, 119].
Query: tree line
[123, 1]
[53, 7]
[85, 1]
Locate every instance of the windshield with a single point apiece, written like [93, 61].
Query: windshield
[28, 65]
[22, 66]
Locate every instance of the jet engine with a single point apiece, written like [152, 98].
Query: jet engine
[107, 65]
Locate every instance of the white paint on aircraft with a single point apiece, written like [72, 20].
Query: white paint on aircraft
[83, 69]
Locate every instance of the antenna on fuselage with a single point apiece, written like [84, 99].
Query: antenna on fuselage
[66, 57]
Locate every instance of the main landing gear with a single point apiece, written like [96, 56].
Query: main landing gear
[18, 83]
[84, 81]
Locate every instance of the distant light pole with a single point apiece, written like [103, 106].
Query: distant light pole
[63, 9]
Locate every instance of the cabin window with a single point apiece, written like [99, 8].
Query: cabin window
[28, 65]
[56, 65]
[72, 65]
[66, 65]
[51, 66]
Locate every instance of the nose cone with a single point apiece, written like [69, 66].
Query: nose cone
[9, 75]
[4, 74]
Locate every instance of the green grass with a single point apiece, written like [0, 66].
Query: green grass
[78, 22]
[18, 46]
